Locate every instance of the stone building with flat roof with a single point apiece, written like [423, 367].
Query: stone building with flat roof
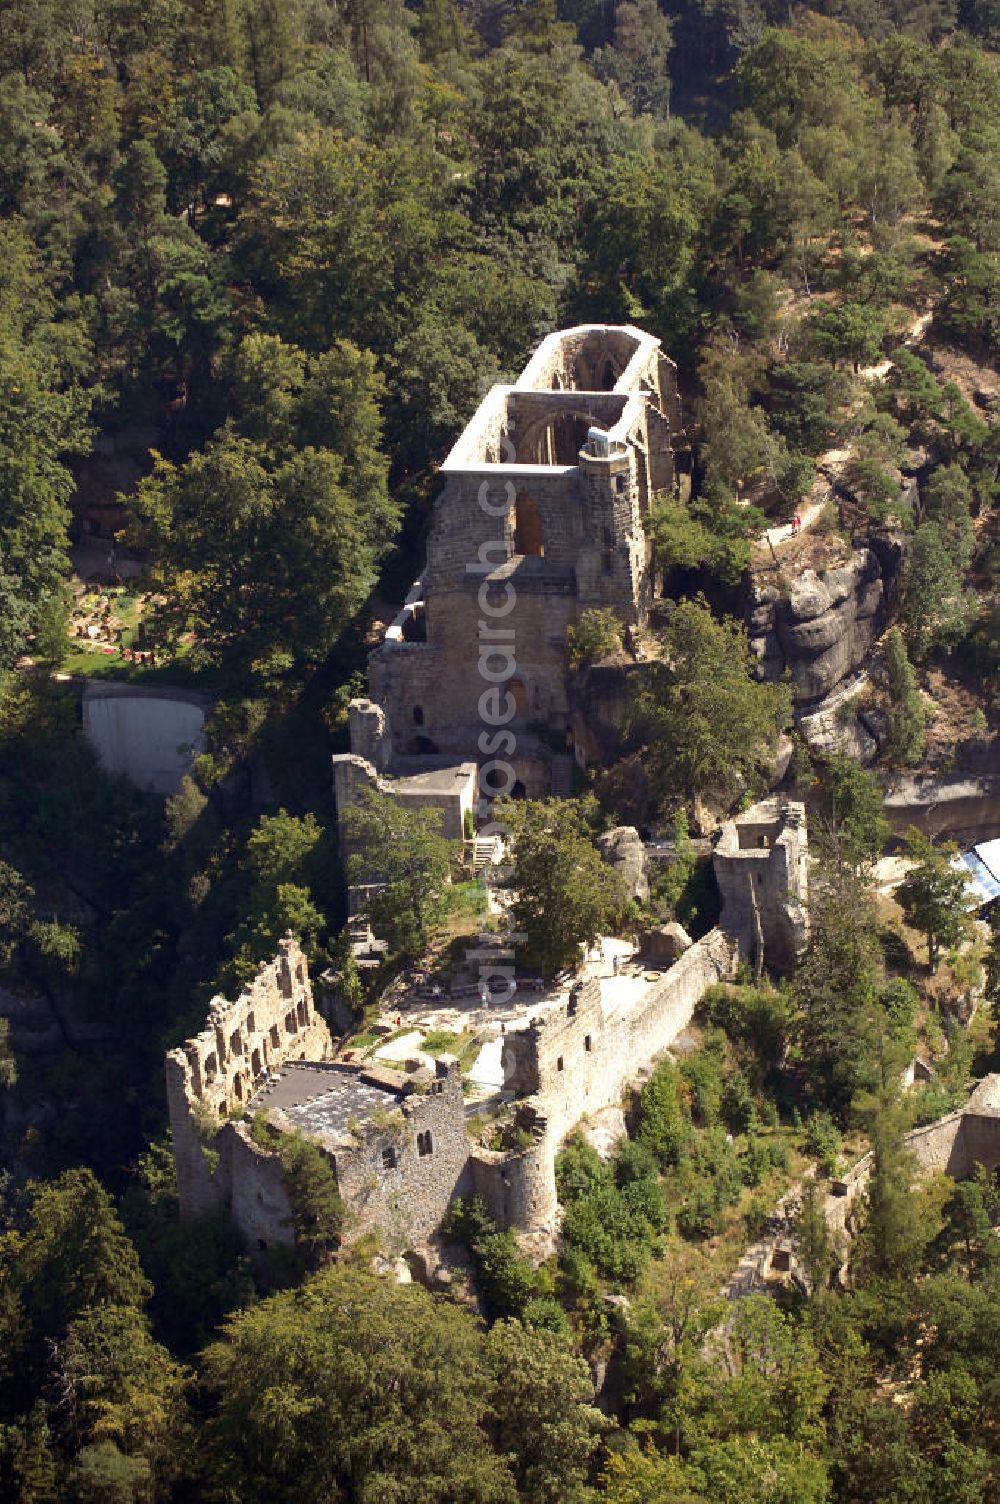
[396, 1142]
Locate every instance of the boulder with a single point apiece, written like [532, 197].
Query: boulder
[839, 728]
[661, 946]
[914, 460]
[779, 763]
[622, 849]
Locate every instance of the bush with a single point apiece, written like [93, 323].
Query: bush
[664, 1125]
[900, 1001]
[761, 1156]
[824, 1141]
[545, 1311]
[699, 904]
[755, 1219]
[756, 1162]
[703, 1073]
[597, 634]
[614, 1212]
[505, 1277]
[739, 1110]
[506, 1280]
[318, 1214]
[716, 1180]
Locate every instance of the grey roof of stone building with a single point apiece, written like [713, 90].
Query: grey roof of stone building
[324, 1098]
[447, 780]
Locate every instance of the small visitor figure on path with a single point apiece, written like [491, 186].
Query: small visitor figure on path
[796, 525]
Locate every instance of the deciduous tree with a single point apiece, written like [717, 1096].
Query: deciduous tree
[706, 720]
[402, 856]
[351, 1387]
[934, 895]
[566, 895]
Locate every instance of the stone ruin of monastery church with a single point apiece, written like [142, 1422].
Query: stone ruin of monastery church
[544, 503]
[542, 514]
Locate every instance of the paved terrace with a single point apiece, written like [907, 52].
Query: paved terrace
[621, 992]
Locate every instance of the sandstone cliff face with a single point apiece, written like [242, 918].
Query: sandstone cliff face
[823, 629]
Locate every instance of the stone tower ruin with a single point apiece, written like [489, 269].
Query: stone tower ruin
[542, 515]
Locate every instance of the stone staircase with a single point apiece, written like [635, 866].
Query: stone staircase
[562, 777]
[486, 852]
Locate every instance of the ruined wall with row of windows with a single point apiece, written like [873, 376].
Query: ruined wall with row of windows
[402, 1174]
[216, 1072]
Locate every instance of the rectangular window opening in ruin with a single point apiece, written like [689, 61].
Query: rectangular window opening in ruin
[390, 1159]
[255, 1062]
[235, 1043]
[290, 1024]
[588, 1043]
[211, 1069]
[425, 1144]
[301, 1012]
[251, 1024]
[559, 1063]
[275, 1037]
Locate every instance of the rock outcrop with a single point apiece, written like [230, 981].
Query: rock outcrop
[823, 629]
[622, 849]
[662, 945]
[839, 726]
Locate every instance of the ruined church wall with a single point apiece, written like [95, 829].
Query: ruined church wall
[518, 1187]
[259, 1205]
[761, 865]
[951, 1145]
[943, 1145]
[353, 776]
[584, 1059]
[577, 1058]
[202, 1192]
[979, 1143]
[461, 523]
[445, 681]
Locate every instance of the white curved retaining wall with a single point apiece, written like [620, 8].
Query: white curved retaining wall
[149, 739]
